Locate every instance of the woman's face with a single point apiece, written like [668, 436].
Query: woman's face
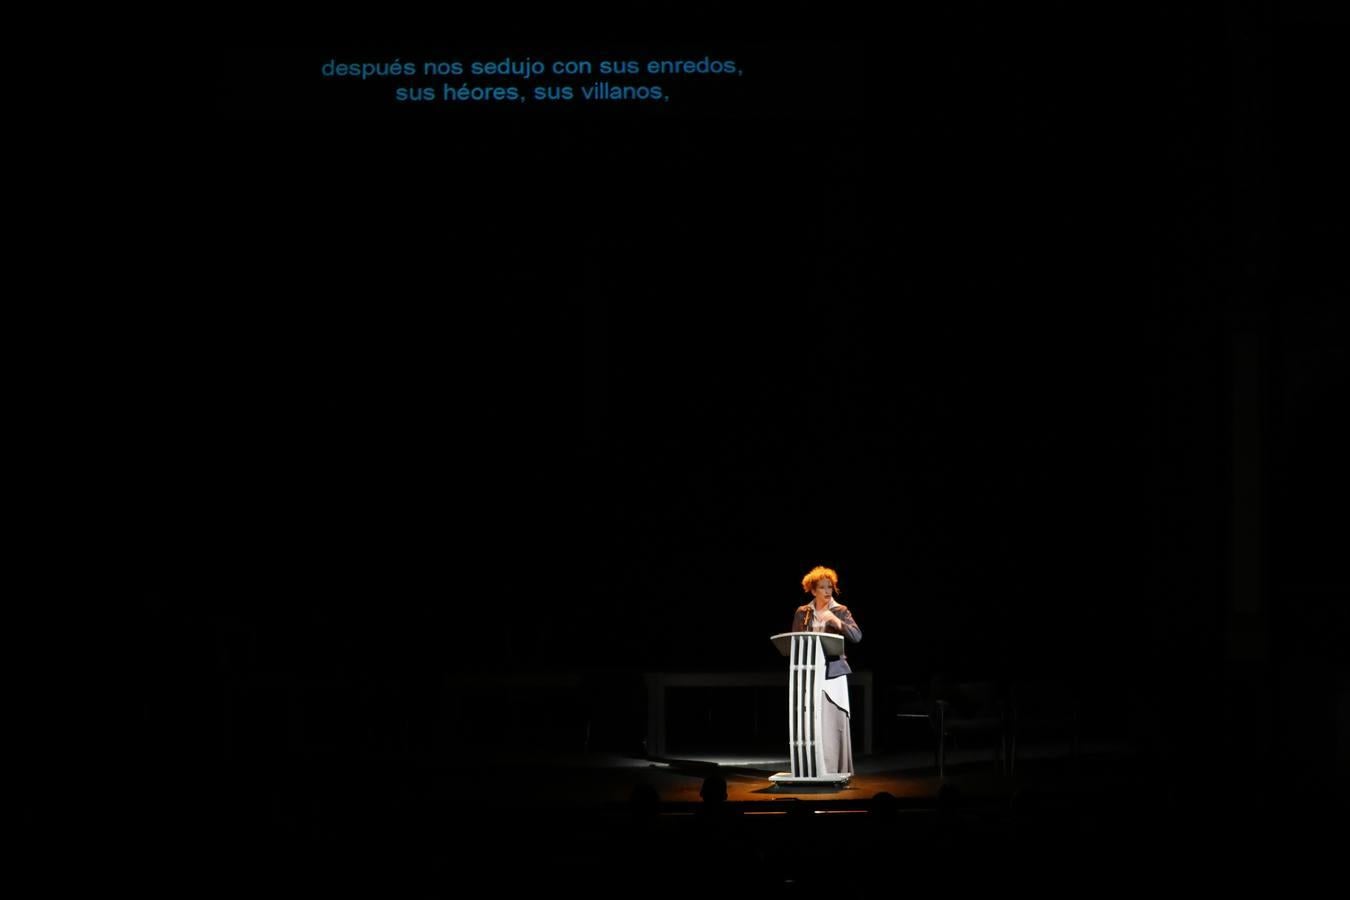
[823, 590]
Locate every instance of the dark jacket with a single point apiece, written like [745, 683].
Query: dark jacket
[834, 665]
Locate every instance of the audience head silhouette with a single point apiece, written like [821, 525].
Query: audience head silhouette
[714, 789]
[643, 802]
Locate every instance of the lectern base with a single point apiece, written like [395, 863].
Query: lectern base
[832, 778]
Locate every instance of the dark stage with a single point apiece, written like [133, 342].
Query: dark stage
[470, 423]
[617, 823]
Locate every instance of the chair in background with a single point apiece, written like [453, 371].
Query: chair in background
[1043, 711]
[910, 707]
[970, 709]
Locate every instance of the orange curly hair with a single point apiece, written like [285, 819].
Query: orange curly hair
[817, 574]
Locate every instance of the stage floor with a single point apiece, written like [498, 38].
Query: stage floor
[594, 780]
[551, 819]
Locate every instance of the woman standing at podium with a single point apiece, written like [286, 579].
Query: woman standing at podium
[825, 614]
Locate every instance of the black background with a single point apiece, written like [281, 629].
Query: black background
[950, 307]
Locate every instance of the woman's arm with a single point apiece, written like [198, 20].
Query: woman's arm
[849, 627]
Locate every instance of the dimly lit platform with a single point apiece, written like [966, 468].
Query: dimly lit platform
[611, 822]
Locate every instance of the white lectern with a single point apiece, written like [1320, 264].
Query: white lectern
[806, 652]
